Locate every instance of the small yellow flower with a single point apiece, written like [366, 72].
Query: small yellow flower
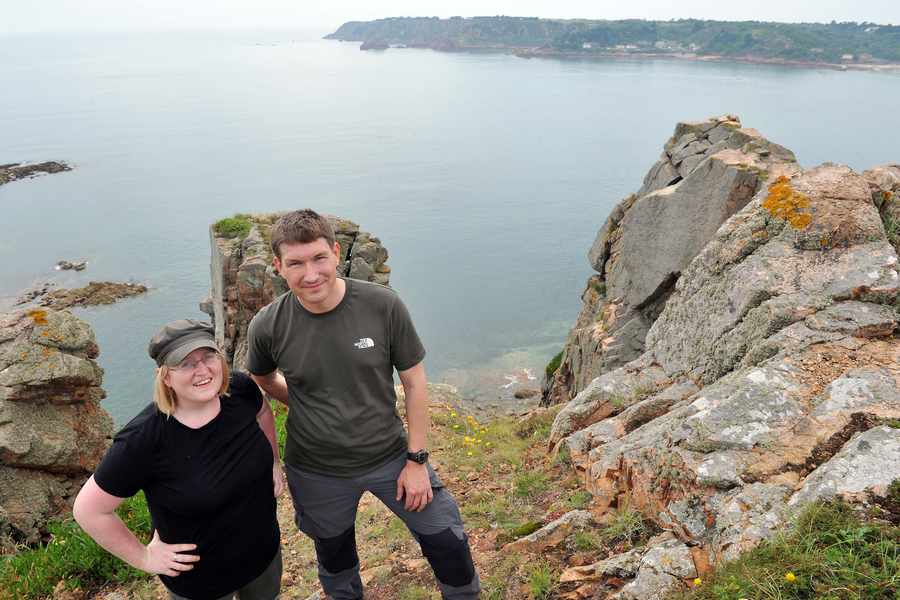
[698, 581]
[456, 426]
[468, 454]
[452, 414]
[488, 444]
[790, 577]
[478, 440]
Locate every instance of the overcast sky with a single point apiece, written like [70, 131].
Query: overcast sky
[57, 15]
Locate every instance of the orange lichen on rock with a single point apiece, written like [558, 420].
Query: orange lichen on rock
[784, 202]
[38, 315]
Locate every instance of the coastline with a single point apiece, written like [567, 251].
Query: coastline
[532, 52]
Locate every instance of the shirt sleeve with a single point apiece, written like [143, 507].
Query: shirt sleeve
[245, 389]
[406, 348]
[123, 472]
[259, 347]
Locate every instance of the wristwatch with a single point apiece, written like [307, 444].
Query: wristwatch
[420, 457]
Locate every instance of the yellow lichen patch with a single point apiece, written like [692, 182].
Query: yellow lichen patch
[784, 202]
[38, 316]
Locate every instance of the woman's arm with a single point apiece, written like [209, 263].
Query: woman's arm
[95, 512]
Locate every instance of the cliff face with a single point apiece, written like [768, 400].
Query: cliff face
[707, 172]
[244, 280]
[53, 431]
[771, 375]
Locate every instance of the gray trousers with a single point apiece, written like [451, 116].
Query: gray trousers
[325, 510]
[265, 587]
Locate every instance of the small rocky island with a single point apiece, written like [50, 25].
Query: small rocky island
[93, 294]
[14, 171]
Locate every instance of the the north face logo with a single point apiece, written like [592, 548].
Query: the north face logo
[364, 343]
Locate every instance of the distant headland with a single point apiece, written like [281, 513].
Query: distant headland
[846, 45]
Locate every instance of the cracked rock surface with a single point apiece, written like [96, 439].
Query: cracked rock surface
[770, 376]
[53, 431]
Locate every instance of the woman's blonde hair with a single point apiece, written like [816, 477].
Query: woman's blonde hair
[164, 396]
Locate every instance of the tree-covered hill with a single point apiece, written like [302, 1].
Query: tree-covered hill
[816, 42]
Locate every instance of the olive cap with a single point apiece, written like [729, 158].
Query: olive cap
[178, 339]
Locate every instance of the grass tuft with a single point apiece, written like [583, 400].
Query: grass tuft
[830, 553]
[73, 557]
[540, 581]
[237, 226]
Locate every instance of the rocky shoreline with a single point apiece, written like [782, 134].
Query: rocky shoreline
[530, 52]
[14, 171]
[753, 60]
[95, 293]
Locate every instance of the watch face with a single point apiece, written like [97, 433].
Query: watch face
[420, 457]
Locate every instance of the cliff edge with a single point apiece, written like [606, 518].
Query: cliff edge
[738, 353]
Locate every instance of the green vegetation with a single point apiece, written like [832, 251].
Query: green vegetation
[831, 553]
[587, 541]
[625, 524]
[540, 581]
[814, 42]
[553, 365]
[72, 557]
[579, 500]
[529, 484]
[237, 226]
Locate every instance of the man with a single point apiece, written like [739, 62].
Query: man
[328, 349]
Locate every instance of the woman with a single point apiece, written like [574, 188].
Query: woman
[200, 453]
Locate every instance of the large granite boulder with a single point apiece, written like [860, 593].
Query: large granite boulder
[244, 280]
[708, 171]
[53, 431]
[770, 378]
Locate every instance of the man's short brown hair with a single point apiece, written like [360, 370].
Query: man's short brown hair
[300, 227]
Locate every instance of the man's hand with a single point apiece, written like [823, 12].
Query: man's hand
[166, 559]
[415, 485]
[278, 478]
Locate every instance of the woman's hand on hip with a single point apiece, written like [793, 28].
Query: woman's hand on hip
[168, 559]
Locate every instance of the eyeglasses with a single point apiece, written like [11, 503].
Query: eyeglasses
[210, 359]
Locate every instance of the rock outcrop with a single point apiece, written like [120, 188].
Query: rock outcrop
[707, 172]
[13, 171]
[52, 428]
[244, 280]
[770, 376]
[93, 294]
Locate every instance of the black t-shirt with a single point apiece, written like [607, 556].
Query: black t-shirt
[210, 486]
[339, 367]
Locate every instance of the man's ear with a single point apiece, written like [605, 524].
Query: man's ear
[337, 249]
[276, 264]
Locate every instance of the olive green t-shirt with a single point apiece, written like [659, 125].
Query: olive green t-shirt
[339, 368]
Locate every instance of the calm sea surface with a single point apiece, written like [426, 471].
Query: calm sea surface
[486, 176]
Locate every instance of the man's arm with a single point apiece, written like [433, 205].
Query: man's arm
[266, 421]
[274, 384]
[414, 482]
